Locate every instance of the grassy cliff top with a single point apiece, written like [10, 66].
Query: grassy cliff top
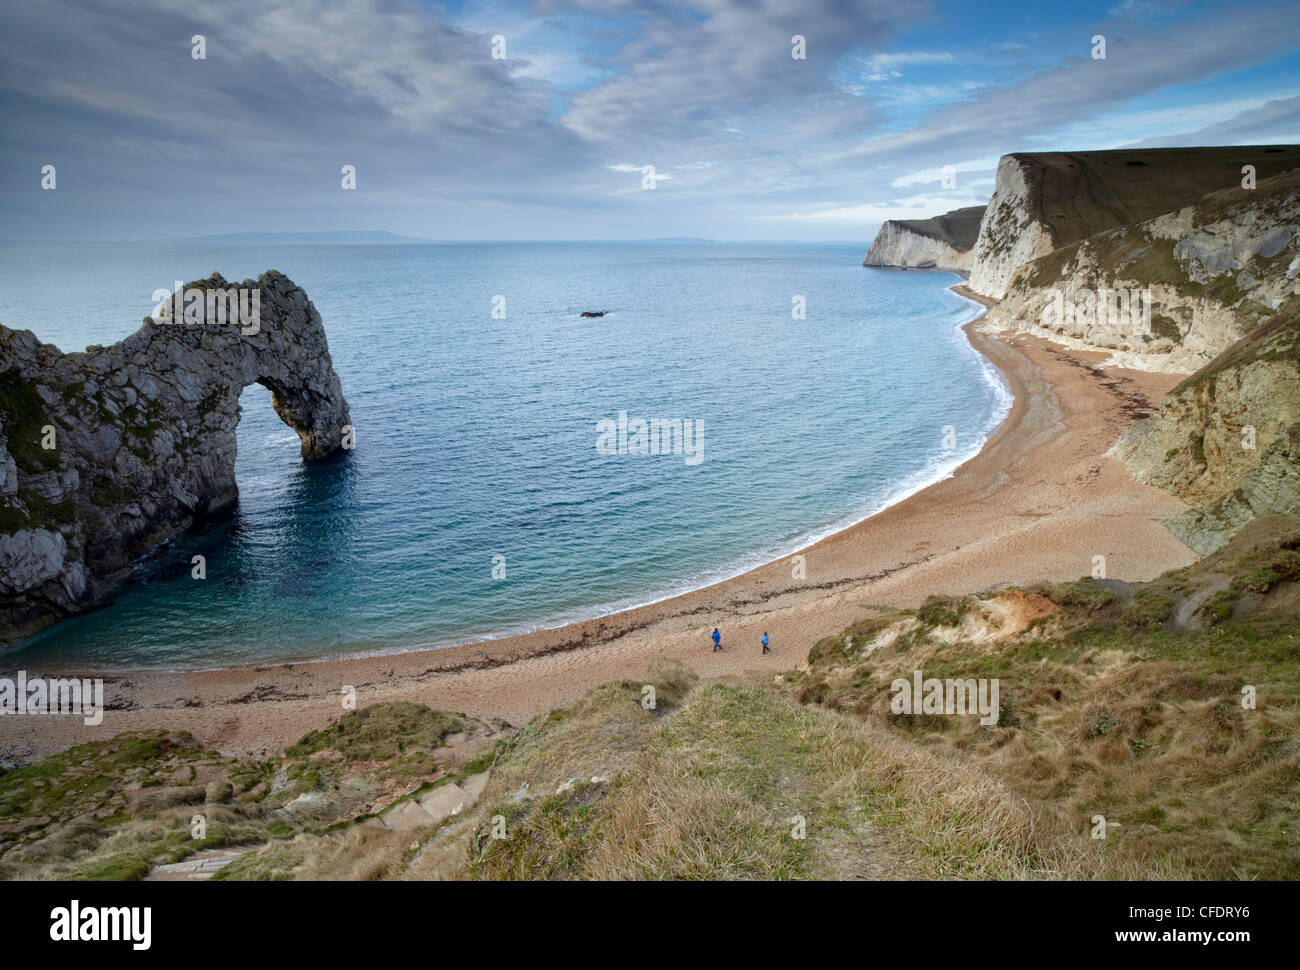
[958, 228]
[1083, 193]
[1169, 707]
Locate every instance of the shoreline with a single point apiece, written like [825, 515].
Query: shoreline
[994, 520]
[723, 575]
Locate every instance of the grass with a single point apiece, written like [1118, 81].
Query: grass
[22, 416]
[741, 784]
[1087, 594]
[1166, 327]
[1114, 700]
[114, 809]
[942, 610]
[1151, 609]
[1109, 708]
[717, 782]
[380, 733]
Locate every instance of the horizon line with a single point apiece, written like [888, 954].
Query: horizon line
[417, 240]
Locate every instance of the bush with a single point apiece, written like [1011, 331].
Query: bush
[1086, 593]
[1151, 609]
[942, 610]
[1284, 568]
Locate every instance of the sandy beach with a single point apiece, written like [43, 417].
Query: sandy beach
[1037, 503]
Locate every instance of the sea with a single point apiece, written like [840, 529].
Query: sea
[496, 486]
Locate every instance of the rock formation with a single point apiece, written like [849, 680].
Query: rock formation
[1044, 201]
[944, 242]
[1227, 440]
[1221, 280]
[1194, 255]
[1213, 272]
[106, 453]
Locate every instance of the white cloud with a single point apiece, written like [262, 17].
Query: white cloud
[928, 176]
[874, 213]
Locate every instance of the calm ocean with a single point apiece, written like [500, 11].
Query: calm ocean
[477, 437]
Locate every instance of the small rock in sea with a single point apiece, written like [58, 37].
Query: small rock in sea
[593, 313]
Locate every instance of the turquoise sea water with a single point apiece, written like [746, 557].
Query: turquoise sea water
[477, 437]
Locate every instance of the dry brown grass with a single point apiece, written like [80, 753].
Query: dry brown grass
[1144, 727]
[1140, 723]
[711, 791]
[708, 787]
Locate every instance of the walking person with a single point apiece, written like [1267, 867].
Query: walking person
[765, 641]
[717, 640]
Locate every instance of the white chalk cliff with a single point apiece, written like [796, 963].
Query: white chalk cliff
[1194, 255]
[943, 242]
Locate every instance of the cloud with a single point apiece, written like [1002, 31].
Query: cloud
[1022, 116]
[451, 143]
[874, 213]
[696, 81]
[1276, 121]
[928, 176]
[885, 67]
[285, 96]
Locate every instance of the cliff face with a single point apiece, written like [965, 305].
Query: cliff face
[106, 453]
[1220, 283]
[1163, 258]
[1012, 232]
[1213, 271]
[1227, 440]
[1045, 201]
[1048, 200]
[943, 242]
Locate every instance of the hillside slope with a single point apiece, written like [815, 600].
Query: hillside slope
[1044, 201]
[1227, 439]
[1213, 271]
[1167, 712]
[1116, 700]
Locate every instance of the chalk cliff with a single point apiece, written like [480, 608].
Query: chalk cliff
[1220, 279]
[108, 452]
[943, 242]
[1208, 274]
[1048, 200]
[1179, 260]
[1227, 440]
[1044, 201]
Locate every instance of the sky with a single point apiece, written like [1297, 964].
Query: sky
[450, 140]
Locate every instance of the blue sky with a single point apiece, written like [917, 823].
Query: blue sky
[550, 141]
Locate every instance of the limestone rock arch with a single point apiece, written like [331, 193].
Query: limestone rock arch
[144, 434]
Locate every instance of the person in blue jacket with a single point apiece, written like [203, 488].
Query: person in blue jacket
[765, 641]
[717, 640]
